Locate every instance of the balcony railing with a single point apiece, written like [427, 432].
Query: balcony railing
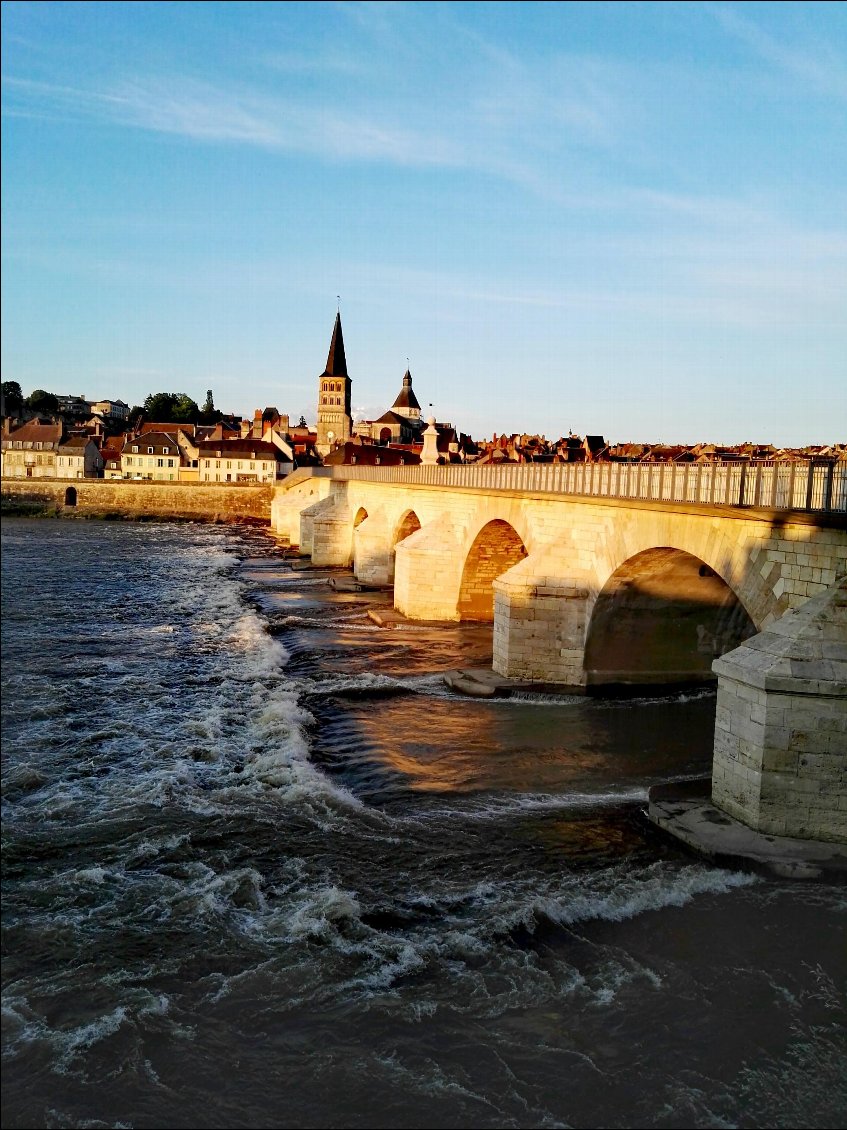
[765, 484]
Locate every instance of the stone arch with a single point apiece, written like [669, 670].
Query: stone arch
[385, 435]
[70, 496]
[361, 515]
[409, 524]
[662, 617]
[497, 548]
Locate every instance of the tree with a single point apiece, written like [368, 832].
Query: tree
[43, 403]
[13, 398]
[209, 414]
[135, 417]
[171, 408]
[185, 409]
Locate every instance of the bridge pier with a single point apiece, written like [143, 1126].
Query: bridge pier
[372, 554]
[540, 622]
[780, 754]
[326, 531]
[427, 572]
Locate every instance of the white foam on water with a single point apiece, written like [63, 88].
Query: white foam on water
[505, 807]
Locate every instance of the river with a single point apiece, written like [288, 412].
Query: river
[261, 869]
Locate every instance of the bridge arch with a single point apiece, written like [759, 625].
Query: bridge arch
[496, 548]
[662, 616]
[70, 496]
[361, 515]
[409, 524]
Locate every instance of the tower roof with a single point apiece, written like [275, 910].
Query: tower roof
[406, 398]
[336, 362]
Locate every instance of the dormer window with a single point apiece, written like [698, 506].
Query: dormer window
[149, 450]
[135, 451]
[218, 454]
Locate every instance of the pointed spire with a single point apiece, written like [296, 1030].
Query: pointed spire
[406, 398]
[336, 362]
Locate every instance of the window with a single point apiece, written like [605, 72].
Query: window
[150, 450]
[160, 462]
[207, 463]
[129, 460]
[170, 462]
[135, 451]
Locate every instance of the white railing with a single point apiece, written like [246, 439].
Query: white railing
[769, 485]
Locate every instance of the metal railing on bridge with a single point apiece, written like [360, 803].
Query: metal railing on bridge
[767, 484]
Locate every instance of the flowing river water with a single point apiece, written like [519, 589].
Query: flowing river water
[261, 869]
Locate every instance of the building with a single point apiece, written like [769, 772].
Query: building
[30, 452]
[113, 410]
[370, 455]
[111, 452]
[153, 455]
[70, 405]
[79, 457]
[241, 461]
[335, 424]
[402, 422]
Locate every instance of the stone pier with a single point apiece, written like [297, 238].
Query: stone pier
[780, 761]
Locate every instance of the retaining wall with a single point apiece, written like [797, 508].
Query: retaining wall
[212, 502]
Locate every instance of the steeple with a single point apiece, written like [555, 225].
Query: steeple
[406, 403]
[335, 423]
[336, 362]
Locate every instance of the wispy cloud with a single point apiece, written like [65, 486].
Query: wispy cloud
[200, 111]
[818, 66]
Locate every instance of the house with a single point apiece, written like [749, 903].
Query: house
[110, 452]
[30, 451]
[79, 457]
[113, 410]
[152, 455]
[241, 461]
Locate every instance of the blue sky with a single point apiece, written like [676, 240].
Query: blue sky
[620, 218]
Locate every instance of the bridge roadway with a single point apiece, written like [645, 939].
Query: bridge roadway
[587, 589]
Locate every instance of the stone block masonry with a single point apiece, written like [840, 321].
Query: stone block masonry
[780, 758]
[200, 502]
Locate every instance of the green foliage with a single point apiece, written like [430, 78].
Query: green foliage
[13, 396]
[45, 403]
[210, 414]
[171, 408]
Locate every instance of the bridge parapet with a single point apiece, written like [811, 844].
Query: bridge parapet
[798, 485]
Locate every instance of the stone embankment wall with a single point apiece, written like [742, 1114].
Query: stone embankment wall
[212, 502]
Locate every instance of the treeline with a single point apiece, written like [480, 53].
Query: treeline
[163, 407]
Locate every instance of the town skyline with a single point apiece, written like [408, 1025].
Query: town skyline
[621, 219]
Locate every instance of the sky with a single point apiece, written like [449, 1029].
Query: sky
[622, 219]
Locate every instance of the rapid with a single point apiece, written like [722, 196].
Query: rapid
[262, 869]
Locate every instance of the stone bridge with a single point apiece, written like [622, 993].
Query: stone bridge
[582, 589]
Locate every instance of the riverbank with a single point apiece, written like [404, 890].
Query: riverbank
[143, 500]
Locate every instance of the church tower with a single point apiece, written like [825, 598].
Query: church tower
[335, 424]
[406, 403]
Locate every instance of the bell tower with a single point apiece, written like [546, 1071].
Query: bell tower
[335, 424]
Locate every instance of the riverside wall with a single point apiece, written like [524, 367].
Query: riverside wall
[118, 498]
